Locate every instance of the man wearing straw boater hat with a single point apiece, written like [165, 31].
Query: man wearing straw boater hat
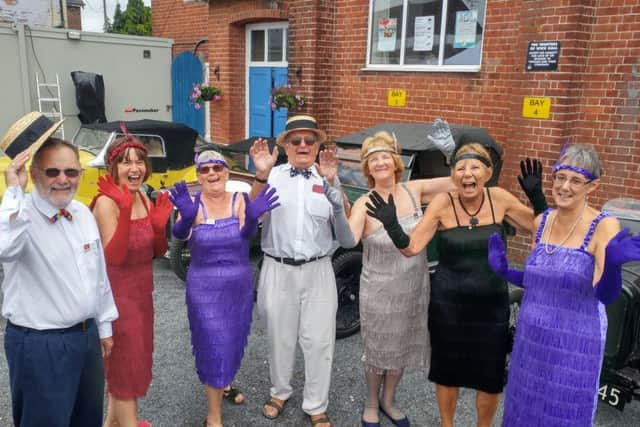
[297, 293]
[57, 298]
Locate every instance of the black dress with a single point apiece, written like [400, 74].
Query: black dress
[468, 311]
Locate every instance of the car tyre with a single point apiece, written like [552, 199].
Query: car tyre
[347, 268]
[179, 258]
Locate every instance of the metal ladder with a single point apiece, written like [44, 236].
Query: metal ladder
[53, 102]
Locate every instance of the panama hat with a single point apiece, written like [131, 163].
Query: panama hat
[297, 123]
[31, 130]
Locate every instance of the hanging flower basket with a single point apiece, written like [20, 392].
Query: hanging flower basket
[202, 93]
[285, 96]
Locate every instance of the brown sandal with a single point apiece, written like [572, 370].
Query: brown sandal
[320, 420]
[275, 405]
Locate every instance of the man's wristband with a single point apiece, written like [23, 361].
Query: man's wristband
[261, 181]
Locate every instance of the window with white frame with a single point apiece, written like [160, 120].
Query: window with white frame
[425, 35]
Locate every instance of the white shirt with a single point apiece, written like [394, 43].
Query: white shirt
[301, 228]
[54, 274]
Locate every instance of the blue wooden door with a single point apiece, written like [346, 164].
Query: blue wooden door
[186, 70]
[259, 107]
[262, 120]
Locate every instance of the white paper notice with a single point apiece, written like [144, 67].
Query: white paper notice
[387, 34]
[465, 36]
[423, 33]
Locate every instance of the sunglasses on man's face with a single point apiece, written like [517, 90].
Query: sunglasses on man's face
[206, 169]
[296, 140]
[69, 172]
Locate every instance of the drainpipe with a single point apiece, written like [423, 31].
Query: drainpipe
[24, 69]
[207, 105]
[63, 13]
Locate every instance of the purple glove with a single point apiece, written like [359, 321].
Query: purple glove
[181, 199]
[620, 249]
[498, 261]
[264, 202]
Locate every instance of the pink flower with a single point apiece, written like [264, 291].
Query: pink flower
[197, 106]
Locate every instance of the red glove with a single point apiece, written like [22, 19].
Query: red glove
[159, 216]
[121, 195]
[116, 250]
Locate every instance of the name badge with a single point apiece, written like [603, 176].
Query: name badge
[317, 188]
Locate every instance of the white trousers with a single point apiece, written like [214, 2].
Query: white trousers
[298, 305]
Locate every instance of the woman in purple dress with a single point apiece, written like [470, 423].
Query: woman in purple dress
[574, 268]
[219, 296]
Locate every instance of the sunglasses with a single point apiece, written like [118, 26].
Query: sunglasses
[206, 169]
[298, 140]
[69, 173]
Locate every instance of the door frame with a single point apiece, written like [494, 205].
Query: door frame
[248, 63]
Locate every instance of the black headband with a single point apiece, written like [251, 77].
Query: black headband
[467, 156]
[301, 124]
[28, 136]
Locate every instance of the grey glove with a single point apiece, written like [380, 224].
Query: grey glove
[441, 137]
[340, 223]
[334, 195]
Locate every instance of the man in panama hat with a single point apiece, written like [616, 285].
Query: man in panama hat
[56, 295]
[297, 295]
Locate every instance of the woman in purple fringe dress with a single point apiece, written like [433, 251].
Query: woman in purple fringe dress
[219, 295]
[574, 267]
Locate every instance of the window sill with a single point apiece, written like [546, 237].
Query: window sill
[424, 68]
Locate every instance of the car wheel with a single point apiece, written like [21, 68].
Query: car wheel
[347, 268]
[179, 258]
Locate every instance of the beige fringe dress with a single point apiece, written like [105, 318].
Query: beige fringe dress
[394, 299]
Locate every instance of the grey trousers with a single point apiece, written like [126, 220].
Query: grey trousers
[298, 304]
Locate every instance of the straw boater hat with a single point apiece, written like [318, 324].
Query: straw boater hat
[31, 130]
[296, 123]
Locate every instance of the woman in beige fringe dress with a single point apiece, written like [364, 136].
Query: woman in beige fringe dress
[394, 290]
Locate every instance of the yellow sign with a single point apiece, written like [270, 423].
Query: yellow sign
[536, 108]
[396, 97]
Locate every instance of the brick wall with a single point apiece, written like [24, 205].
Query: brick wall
[595, 92]
[74, 19]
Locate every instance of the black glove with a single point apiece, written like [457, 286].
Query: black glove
[531, 183]
[386, 214]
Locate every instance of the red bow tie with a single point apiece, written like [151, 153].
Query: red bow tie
[61, 213]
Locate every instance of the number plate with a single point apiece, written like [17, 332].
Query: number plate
[613, 396]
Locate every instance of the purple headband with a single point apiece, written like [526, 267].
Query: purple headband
[576, 169]
[214, 161]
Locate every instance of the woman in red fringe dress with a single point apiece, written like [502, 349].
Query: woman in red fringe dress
[133, 233]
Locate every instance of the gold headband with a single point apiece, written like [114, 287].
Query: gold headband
[372, 150]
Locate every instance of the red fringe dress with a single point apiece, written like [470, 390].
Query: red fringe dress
[128, 369]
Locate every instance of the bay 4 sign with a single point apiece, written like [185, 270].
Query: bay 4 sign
[536, 108]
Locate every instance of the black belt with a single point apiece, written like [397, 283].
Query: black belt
[296, 262]
[82, 326]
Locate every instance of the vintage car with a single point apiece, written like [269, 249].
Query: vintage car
[421, 159]
[170, 146]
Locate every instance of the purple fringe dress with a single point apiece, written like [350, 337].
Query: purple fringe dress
[219, 298]
[559, 344]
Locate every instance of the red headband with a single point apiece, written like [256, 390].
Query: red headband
[131, 143]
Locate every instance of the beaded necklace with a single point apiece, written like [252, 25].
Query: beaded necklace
[573, 228]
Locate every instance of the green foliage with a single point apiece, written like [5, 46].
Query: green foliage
[135, 20]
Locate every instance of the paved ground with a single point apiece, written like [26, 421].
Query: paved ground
[176, 398]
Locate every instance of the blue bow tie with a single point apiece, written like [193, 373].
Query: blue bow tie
[61, 213]
[306, 173]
